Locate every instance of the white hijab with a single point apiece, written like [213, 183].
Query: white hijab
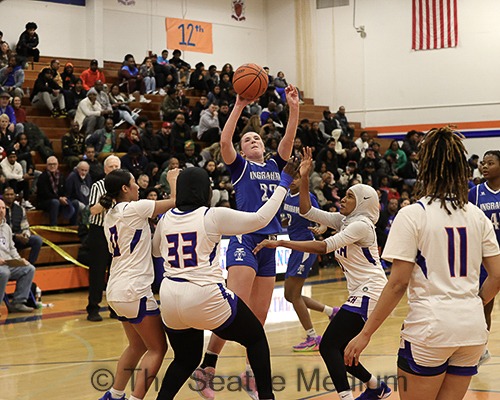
[367, 205]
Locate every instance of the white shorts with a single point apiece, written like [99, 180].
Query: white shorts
[431, 361]
[135, 311]
[185, 305]
[361, 305]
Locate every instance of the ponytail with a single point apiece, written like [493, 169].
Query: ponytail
[106, 201]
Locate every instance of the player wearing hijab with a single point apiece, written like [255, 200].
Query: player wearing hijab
[299, 265]
[254, 179]
[193, 292]
[356, 251]
[487, 197]
[131, 274]
[437, 246]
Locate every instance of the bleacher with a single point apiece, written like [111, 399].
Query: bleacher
[53, 272]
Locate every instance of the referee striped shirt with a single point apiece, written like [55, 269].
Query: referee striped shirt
[96, 191]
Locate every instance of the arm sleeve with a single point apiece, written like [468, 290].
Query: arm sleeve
[84, 77]
[20, 77]
[353, 233]
[94, 195]
[333, 220]
[221, 220]
[279, 161]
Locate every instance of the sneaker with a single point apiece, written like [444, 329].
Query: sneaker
[249, 386]
[19, 308]
[62, 114]
[107, 396]
[144, 100]
[54, 114]
[485, 357]
[131, 98]
[27, 205]
[162, 92]
[94, 317]
[334, 313]
[203, 377]
[310, 344]
[382, 392]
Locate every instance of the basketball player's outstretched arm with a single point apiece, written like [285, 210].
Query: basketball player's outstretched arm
[226, 138]
[286, 144]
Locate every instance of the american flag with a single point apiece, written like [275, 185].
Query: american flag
[434, 24]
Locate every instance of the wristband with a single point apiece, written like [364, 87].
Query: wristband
[286, 180]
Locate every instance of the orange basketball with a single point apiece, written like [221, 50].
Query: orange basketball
[250, 81]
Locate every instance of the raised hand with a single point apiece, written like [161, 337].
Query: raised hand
[307, 161]
[241, 102]
[292, 96]
[291, 167]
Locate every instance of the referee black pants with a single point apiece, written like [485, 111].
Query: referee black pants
[99, 261]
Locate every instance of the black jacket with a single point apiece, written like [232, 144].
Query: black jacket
[42, 84]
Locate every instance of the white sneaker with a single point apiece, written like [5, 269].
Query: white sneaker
[131, 98]
[485, 357]
[162, 92]
[144, 100]
[119, 123]
[27, 205]
[249, 386]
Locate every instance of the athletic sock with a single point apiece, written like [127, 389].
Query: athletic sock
[116, 394]
[372, 383]
[210, 359]
[328, 311]
[134, 398]
[346, 395]
[311, 332]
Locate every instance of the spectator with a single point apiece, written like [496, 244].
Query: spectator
[303, 131]
[90, 115]
[384, 223]
[89, 76]
[22, 275]
[6, 136]
[362, 143]
[5, 54]
[351, 172]
[163, 60]
[172, 164]
[409, 171]
[200, 106]
[343, 123]
[388, 168]
[225, 83]
[181, 132]
[197, 80]
[209, 130]
[134, 161]
[17, 220]
[25, 158]
[148, 140]
[9, 112]
[132, 80]
[48, 93]
[54, 66]
[473, 162]
[269, 76]
[214, 97]
[13, 172]
[74, 96]
[164, 143]
[121, 110]
[370, 156]
[73, 146]
[19, 113]
[223, 114]
[183, 68]
[103, 140]
[350, 153]
[212, 77]
[153, 172]
[266, 131]
[51, 196]
[102, 96]
[328, 124]
[228, 69]
[143, 183]
[28, 42]
[410, 142]
[189, 158]
[368, 173]
[376, 151]
[96, 169]
[148, 72]
[171, 105]
[398, 154]
[12, 77]
[271, 96]
[78, 186]
[165, 75]
[68, 77]
[130, 139]
[316, 139]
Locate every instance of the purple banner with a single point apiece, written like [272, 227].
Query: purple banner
[72, 2]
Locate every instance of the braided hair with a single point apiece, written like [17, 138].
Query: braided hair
[444, 170]
[113, 183]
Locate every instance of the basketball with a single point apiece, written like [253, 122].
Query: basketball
[250, 81]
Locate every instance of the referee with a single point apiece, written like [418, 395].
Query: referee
[96, 242]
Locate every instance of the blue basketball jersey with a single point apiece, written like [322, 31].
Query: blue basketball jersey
[254, 184]
[297, 225]
[489, 202]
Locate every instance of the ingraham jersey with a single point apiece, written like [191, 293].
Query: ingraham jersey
[182, 241]
[127, 230]
[488, 201]
[254, 184]
[444, 307]
[297, 224]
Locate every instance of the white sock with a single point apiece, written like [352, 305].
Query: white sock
[134, 398]
[372, 383]
[346, 395]
[116, 394]
[311, 332]
[211, 352]
[328, 310]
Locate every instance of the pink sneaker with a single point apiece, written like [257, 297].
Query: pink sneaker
[310, 344]
[203, 379]
[249, 386]
[334, 313]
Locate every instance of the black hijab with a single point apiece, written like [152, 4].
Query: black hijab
[193, 189]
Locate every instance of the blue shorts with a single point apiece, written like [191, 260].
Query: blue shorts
[239, 252]
[299, 264]
[483, 275]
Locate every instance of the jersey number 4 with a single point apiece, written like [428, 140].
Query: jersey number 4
[186, 243]
[462, 234]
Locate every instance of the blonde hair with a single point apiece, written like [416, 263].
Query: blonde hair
[4, 117]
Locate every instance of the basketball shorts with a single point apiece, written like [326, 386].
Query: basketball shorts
[299, 264]
[416, 359]
[135, 311]
[239, 252]
[186, 305]
[361, 305]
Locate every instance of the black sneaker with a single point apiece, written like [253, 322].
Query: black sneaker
[94, 317]
[62, 114]
[112, 314]
[55, 114]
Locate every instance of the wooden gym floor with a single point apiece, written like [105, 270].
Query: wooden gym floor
[57, 354]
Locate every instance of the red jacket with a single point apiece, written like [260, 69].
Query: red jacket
[89, 77]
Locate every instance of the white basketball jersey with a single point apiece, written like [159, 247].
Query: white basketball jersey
[129, 238]
[444, 307]
[189, 254]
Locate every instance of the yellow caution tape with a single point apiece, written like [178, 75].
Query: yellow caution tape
[55, 247]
